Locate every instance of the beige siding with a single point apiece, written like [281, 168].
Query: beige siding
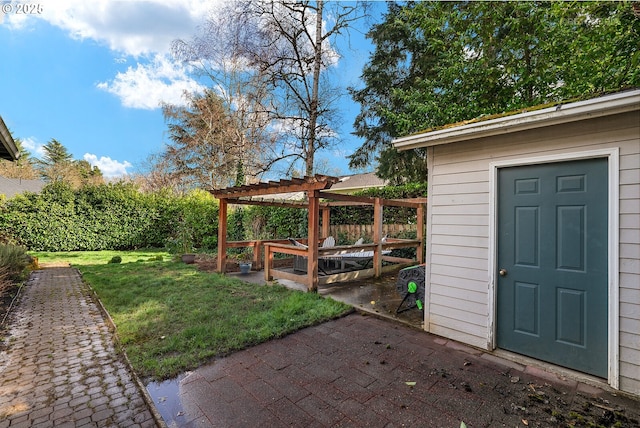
[458, 280]
[630, 265]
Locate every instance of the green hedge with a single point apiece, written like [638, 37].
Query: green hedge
[119, 217]
[263, 222]
[104, 217]
[363, 214]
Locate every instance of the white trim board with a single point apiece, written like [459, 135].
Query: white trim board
[559, 114]
[613, 162]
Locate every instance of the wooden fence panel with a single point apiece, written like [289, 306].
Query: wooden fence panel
[351, 232]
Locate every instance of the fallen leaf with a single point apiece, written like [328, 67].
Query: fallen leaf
[600, 406]
[411, 384]
[373, 302]
[526, 422]
[515, 379]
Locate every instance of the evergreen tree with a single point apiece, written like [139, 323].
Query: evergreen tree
[437, 63]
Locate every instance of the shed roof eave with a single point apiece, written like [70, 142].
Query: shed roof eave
[621, 102]
[8, 148]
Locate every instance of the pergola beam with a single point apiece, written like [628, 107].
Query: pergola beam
[268, 203]
[313, 188]
[307, 184]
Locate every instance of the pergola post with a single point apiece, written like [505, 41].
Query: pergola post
[312, 257]
[222, 236]
[315, 187]
[326, 221]
[377, 237]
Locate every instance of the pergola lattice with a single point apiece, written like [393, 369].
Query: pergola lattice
[315, 188]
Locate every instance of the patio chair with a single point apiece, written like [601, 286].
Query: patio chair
[329, 242]
[300, 262]
[355, 258]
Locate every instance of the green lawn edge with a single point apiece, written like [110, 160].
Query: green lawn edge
[171, 318]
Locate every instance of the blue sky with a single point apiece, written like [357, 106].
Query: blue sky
[92, 75]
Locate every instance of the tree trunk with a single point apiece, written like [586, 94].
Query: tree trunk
[313, 116]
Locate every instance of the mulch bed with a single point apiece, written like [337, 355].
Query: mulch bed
[6, 298]
[210, 264]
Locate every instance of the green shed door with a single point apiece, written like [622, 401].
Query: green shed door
[552, 293]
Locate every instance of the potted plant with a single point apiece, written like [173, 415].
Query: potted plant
[182, 243]
[245, 259]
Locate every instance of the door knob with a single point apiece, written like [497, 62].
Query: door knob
[503, 272]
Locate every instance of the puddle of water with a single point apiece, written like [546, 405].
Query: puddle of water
[379, 296]
[166, 397]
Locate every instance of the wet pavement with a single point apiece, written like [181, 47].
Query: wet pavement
[359, 370]
[364, 371]
[61, 367]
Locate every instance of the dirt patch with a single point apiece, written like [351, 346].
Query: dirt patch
[207, 263]
[54, 265]
[539, 404]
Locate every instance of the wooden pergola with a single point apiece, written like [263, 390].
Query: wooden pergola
[317, 202]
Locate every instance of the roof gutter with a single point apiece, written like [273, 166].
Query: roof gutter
[621, 102]
[7, 141]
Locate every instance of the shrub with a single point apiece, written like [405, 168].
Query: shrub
[5, 281]
[116, 259]
[14, 261]
[392, 215]
[105, 217]
[262, 222]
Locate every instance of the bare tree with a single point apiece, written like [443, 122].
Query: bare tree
[23, 167]
[272, 60]
[206, 147]
[214, 53]
[155, 174]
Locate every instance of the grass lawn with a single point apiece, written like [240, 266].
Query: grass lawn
[170, 317]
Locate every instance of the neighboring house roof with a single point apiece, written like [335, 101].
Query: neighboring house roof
[616, 103]
[357, 182]
[8, 149]
[13, 186]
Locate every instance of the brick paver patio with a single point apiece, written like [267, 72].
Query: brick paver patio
[61, 367]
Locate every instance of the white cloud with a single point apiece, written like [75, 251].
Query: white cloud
[133, 27]
[110, 168]
[146, 86]
[142, 29]
[34, 148]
